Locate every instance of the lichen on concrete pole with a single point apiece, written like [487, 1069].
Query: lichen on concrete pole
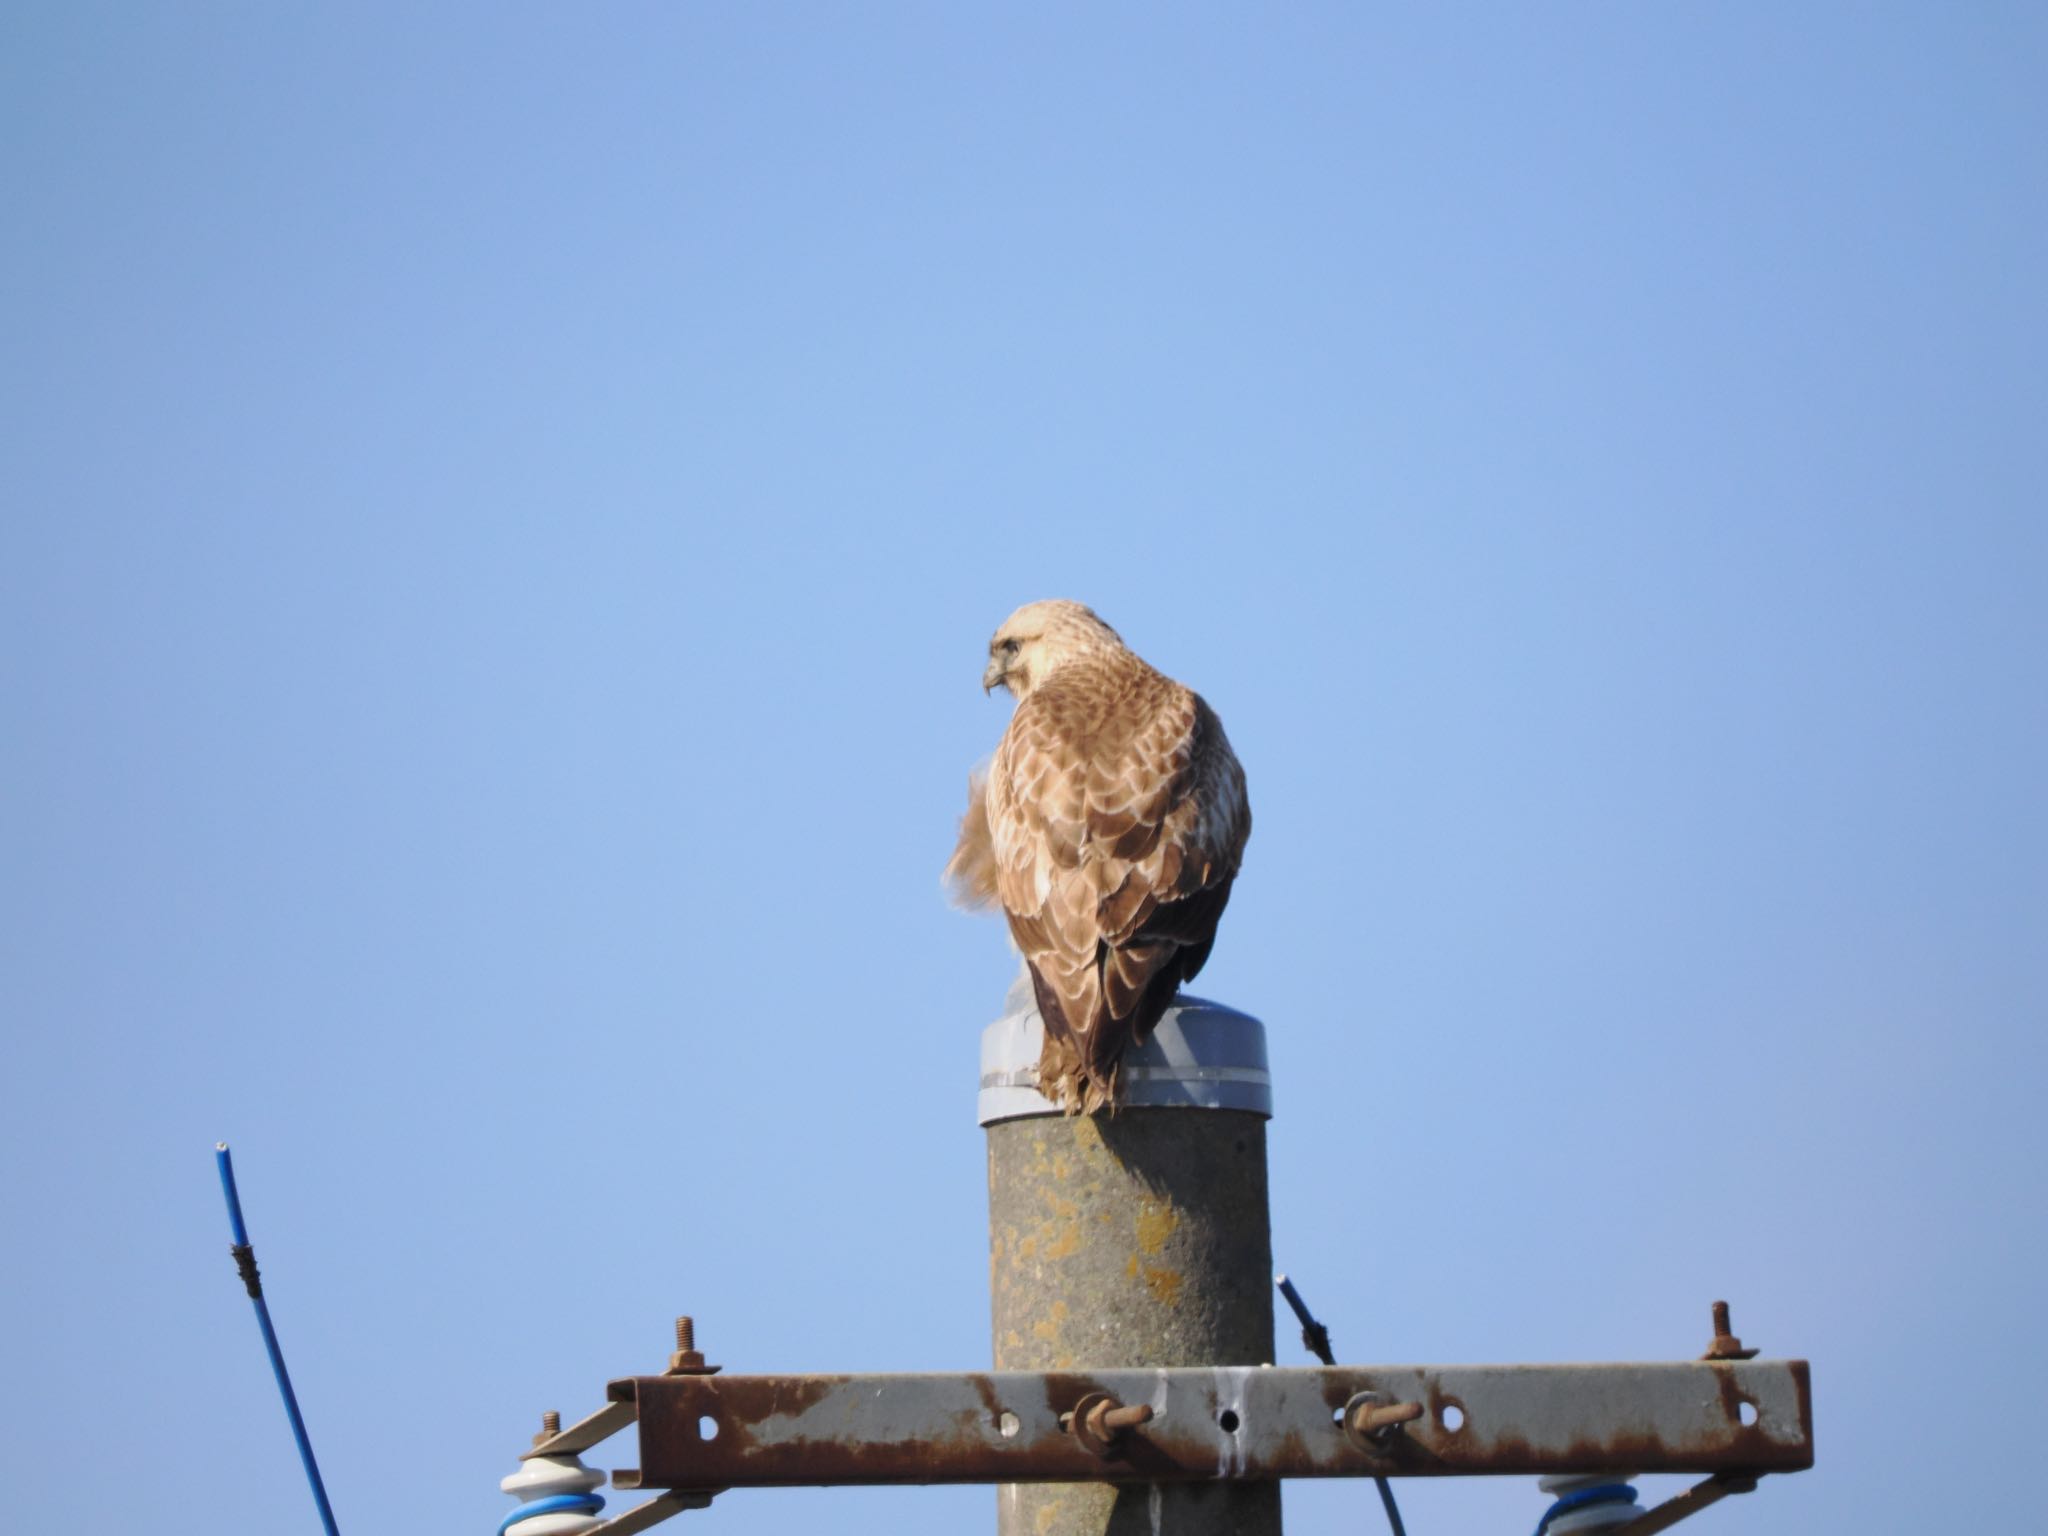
[1135, 1239]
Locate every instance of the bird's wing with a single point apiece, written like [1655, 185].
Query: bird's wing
[1037, 816]
[1165, 893]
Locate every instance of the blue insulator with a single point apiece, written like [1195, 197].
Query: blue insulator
[1585, 1503]
[555, 1504]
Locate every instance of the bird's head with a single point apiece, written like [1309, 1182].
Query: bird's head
[1040, 638]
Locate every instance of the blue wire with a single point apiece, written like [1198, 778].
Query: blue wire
[1294, 1299]
[1606, 1493]
[227, 1187]
[554, 1504]
[284, 1381]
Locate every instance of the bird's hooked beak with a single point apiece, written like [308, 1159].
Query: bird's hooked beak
[993, 674]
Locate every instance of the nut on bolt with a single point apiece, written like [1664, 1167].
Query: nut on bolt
[1370, 1421]
[688, 1359]
[1725, 1346]
[1099, 1421]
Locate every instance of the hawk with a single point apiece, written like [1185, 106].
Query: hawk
[1110, 825]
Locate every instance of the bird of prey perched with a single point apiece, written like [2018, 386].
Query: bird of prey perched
[1110, 827]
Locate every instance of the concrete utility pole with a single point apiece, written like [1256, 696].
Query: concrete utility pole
[1135, 1239]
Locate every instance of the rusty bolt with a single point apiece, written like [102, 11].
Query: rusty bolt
[1376, 1421]
[550, 1426]
[688, 1360]
[1099, 1421]
[1725, 1346]
[1370, 1420]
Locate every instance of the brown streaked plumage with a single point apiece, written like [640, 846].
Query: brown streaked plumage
[1110, 826]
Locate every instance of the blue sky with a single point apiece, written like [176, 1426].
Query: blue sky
[500, 517]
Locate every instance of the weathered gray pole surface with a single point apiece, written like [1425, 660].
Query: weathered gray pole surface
[1138, 1239]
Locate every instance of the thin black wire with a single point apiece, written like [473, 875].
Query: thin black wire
[1316, 1338]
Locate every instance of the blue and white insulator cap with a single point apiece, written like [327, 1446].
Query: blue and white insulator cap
[557, 1494]
[1586, 1501]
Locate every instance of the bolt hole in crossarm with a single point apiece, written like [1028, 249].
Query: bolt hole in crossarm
[1452, 1417]
[1746, 1413]
[1227, 1421]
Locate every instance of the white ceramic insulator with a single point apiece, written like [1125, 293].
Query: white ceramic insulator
[543, 1477]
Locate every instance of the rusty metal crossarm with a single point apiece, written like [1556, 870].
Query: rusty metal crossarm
[1238, 1423]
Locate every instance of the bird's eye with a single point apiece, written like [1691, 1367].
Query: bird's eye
[1011, 647]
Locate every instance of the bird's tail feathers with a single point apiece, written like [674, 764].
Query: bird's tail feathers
[1082, 1069]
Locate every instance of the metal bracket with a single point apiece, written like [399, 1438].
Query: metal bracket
[1683, 1506]
[1237, 1423]
[686, 1361]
